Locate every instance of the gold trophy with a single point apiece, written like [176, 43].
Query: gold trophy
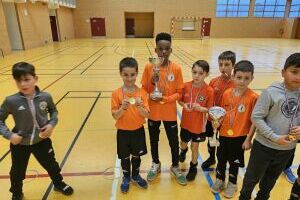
[215, 113]
[156, 61]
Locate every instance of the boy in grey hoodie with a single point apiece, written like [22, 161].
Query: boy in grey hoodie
[30, 108]
[276, 116]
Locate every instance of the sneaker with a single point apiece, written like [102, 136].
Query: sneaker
[218, 186]
[154, 170]
[180, 178]
[182, 155]
[64, 189]
[17, 196]
[208, 163]
[191, 174]
[230, 190]
[125, 184]
[290, 177]
[140, 181]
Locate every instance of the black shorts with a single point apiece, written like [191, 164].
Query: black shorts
[131, 143]
[187, 136]
[209, 129]
[298, 171]
[231, 150]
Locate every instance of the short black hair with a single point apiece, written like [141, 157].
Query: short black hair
[163, 36]
[244, 66]
[21, 69]
[203, 64]
[228, 55]
[292, 60]
[128, 62]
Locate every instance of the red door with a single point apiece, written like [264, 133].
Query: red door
[205, 30]
[54, 28]
[129, 27]
[98, 26]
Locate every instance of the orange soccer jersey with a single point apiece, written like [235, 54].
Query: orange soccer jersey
[195, 121]
[220, 85]
[131, 119]
[170, 84]
[237, 120]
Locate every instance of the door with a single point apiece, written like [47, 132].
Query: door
[98, 26]
[205, 29]
[130, 27]
[54, 28]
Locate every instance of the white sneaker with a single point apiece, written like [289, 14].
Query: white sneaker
[154, 170]
[218, 186]
[230, 190]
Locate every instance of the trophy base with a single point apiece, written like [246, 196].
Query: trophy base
[155, 96]
[213, 142]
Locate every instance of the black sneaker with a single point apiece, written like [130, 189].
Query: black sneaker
[17, 196]
[209, 162]
[64, 188]
[182, 155]
[191, 175]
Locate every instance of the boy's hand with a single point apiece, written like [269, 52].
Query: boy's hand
[199, 108]
[295, 131]
[283, 140]
[46, 131]
[15, 139]
[139, 102]
[187, 107]
[125, 104]
[247, 145]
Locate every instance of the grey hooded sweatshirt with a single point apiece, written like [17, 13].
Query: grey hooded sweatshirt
[271, 115]
[29, 116]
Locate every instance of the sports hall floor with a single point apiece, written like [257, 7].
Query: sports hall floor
[81, 73]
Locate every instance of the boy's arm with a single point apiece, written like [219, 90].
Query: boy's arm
[143, 105]
[260, 111]
[4, 112]
[116, 110]
[53, 113]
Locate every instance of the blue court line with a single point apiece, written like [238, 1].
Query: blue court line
[207, 175]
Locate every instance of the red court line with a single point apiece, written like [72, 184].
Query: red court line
[78, 174]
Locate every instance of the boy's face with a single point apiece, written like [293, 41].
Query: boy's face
[129, 75]
[163, 49]
[26, 84]
[242, 79]
[198, 74]
[291, 77]
[225, 67]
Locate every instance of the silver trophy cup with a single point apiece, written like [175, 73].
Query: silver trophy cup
[156, 61]
[215, 113]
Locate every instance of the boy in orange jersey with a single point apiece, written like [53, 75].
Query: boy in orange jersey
[129, 106]
[197, 98]
[164, 109]
[226, 62]
[236, 130]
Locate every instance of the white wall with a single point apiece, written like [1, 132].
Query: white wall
[12, 26]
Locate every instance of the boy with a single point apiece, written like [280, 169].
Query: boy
[164, 109]
[197, 98]
[236, 130]
[31, 134]
[129, 107]
[275, 115]
[295, 193]
[226, 62]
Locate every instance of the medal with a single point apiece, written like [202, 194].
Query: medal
[230, 132]
[171, 77]
[132, 101]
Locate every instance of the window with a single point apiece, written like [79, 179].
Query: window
[232, 8]
[269, 8]
[188, 25]
[295, 8]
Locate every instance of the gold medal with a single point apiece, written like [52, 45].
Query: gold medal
[292, 137]
[230, 132]
[132, 101]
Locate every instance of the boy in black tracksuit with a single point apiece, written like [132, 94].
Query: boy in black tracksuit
[31, 134]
